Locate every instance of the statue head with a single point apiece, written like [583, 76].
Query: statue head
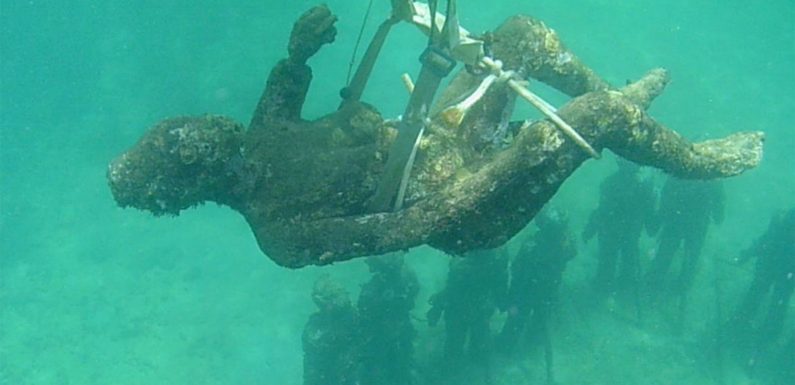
[329, 294]
[179, 163]
[552, 220]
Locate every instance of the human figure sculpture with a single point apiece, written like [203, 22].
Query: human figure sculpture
[329, 342]
[385, 327]
[536, 277]
[305, 187]
[627, 206]
[773, 282]
[687, 208]
[475, 290]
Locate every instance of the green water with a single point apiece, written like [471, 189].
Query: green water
[94, 294]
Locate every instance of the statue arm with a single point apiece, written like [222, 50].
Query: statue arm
[288, 82]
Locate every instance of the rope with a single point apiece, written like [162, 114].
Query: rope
[358, 41]
[432, 8]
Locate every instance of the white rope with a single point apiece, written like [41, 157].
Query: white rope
[540, 104]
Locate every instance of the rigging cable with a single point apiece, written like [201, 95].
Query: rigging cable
[432, 4]
[358, 40]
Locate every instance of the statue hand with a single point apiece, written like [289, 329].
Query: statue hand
[310, 32]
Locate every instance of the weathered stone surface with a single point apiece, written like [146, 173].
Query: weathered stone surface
[304, 186]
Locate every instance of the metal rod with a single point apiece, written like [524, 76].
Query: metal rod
[538, 103]
[398, 165]
[353, 92]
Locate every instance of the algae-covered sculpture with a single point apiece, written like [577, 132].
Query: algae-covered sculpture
[455, 174]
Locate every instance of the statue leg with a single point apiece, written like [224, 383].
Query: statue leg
[532, 49]
[528, 46]
[482, 209]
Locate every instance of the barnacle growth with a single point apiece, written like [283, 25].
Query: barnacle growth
[304, 186]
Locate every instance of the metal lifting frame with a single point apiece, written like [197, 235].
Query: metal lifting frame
[448, 43]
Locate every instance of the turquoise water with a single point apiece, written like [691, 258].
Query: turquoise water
[94, 294]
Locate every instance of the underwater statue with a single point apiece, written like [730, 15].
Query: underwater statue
[627, 206]
[687, 208]
[329, 342]
[536, 276]
[385, 328]
[763, 312]
[475, 289]
[322, 191]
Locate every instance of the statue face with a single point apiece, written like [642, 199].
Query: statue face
[180, 162]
